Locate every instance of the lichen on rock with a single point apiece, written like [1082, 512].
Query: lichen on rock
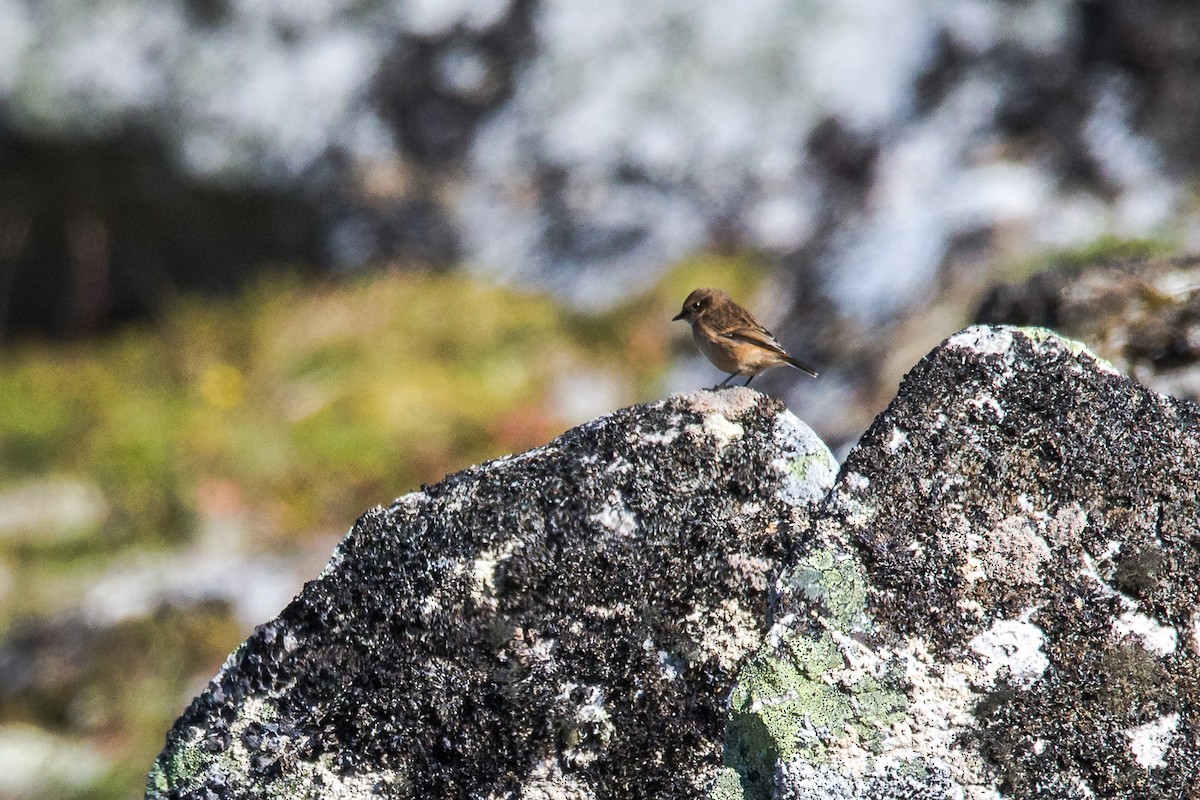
[1004, 615]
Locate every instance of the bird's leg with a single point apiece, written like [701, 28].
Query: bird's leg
[728, 378]
[748, 379]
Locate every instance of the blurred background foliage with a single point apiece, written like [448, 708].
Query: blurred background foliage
[323, 397]
[267, 263]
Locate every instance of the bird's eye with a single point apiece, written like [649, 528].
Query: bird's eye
[696, 305]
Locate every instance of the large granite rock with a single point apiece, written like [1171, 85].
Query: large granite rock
[562, 623]
[1000, 598]
[997, 598]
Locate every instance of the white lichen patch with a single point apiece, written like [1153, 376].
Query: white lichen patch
[970, 606]
[1196, 631]
[728, 633]
[940, 712]
[483, 571]
[615, 516]
[898, 438]
[547, 781]
[1014, 551]
[880, 777]
[672, 666]
[860, 661]
[779, 630]
[618, 466]
[982, 339]
[734, 402]
[547, 450]
[1149, 743]
[1082, 787]
[986, 402]
[972, 570]
[720, 428]
[1013, 646]
[806, 467]
[430, 606]
[857, 512]
[1160, 639]
[663, 437]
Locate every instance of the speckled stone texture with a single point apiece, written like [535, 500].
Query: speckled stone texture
[999, 598]
[565, 623]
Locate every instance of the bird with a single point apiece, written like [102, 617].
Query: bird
[731, 338]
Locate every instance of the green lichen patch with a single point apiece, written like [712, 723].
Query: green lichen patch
[727, 785]
[1046, 337]
[834, 582]
[805, 692]
[183, 768]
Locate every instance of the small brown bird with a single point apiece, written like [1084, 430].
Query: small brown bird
[731, 338]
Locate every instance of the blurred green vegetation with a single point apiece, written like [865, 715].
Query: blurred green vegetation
[320, 400]
[295, 406]
[1105, 249]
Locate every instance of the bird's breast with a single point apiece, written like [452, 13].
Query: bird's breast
[720, 351]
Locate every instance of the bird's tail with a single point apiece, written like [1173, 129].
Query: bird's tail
[803, 368]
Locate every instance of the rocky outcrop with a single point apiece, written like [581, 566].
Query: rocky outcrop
[997, 598]
[1000, 595]
[562, 623]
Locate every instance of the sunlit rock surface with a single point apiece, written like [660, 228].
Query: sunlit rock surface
[1000, 599]
[562, 623]
[996, 598]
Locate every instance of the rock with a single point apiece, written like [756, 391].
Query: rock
[998, 599]
[562, 623]
[1142, 315]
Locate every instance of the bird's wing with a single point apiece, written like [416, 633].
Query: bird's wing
[746, 329]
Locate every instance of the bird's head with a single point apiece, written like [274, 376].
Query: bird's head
[698, 302]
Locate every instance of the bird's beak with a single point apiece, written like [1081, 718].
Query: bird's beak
[678, 316]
